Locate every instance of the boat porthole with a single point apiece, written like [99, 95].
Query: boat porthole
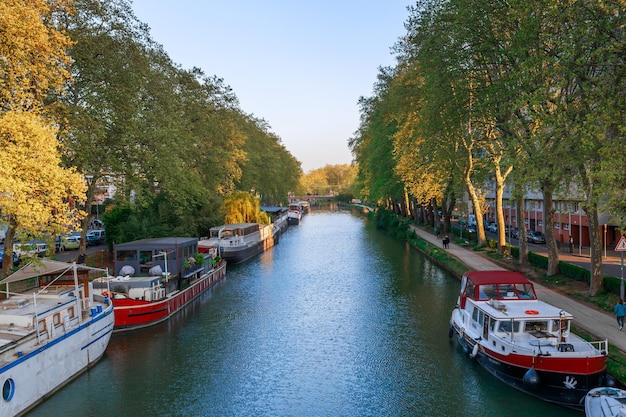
[8, 389]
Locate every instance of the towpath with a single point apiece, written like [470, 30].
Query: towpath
[593, 321]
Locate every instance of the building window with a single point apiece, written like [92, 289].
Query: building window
[565, 226]
[557, 225]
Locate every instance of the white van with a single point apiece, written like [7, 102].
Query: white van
[30, 249]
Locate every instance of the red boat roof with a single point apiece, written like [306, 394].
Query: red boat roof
[496, 277]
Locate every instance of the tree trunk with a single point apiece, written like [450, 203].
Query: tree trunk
[9, 239]
[521, 235]
[500, 217]
[596, 249]
[548, 230]
[478, 211]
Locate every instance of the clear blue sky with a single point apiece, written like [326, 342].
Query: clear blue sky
[301, 66]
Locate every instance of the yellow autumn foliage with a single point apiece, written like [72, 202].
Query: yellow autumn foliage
[242, 207]
[36, 193]
[34, 60]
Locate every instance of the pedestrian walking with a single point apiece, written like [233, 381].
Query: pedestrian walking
[446, 244]
[620, 312]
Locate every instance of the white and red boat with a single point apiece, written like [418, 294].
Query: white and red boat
[169, 278]
[294, 213]
[525, 342]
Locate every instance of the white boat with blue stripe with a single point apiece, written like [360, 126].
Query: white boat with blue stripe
[53, 327]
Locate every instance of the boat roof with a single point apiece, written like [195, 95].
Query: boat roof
[521, 310]
[45, 267]
[497, 277]
[233, 226]
[157, 242]
[273, 209]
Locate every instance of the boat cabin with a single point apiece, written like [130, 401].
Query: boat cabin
[169, 253]
[495, 285]
[230, 230]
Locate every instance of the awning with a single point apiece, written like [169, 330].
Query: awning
[45, 267]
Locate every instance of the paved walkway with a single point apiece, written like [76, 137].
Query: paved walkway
[596, 322]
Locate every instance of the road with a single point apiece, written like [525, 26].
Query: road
[611, 260]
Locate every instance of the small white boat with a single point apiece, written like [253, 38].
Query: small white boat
[52, 328]
[605, 402]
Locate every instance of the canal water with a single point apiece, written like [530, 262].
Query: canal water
[336, 320]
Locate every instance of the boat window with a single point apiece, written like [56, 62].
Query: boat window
[558, 325]
[525, 291]
[478, 316]
[8, 389]
[505, 326]
[71, 312]
[56, 319]
[536, 325]
[145, 256]
[126, 255]
[506, 291]
[487, 292]
[470, 290]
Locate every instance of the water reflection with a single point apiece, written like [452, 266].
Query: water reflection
[336, 320]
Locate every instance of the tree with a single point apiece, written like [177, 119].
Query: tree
[37, 196]
[242, 207]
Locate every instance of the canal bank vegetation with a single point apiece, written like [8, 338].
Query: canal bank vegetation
[400, 228]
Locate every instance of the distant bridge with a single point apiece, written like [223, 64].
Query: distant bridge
[315, 198]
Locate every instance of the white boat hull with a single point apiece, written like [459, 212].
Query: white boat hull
[38, 374]
[605, 402]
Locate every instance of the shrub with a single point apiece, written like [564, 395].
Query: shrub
[611, 285]
[575, 272]
[538, 261]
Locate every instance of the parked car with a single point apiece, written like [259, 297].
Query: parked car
[515, 233]
[536, 237]
[67, 242]
[95, 237]
[493, 227]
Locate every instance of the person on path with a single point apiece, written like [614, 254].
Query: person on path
[620, 312]
[446, 242]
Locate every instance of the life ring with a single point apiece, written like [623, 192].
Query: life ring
[531, 312]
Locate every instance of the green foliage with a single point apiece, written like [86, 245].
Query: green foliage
[199, 258]
[610, 284]
[392, 224]
[575, 272]
[492, 244]
[538, 261]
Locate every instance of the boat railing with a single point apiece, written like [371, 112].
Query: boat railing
[538, 347]
[601, 345]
